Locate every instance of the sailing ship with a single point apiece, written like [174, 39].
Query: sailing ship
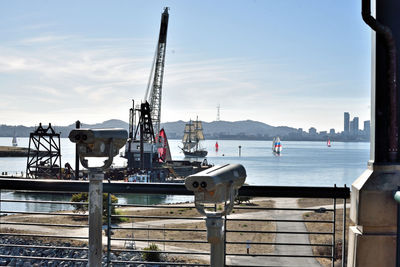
[328, 143]
[192, 136]
[14, 140]
[276, 146]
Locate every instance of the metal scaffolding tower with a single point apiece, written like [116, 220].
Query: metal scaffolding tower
[44, 153]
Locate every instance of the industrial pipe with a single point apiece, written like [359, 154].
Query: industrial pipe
[386, 32]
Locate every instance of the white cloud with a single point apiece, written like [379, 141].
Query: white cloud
[96, 80]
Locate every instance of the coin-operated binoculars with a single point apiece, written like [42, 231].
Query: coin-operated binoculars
[97, 143]
[219, 186]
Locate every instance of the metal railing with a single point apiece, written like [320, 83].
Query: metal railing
[271, 230]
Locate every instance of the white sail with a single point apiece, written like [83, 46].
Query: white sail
[276, 145]
[14, 141]
[192, 135]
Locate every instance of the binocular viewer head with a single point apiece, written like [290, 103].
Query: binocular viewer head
[98, 142]
[217, 184]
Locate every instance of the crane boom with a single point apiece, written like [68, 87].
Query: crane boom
[154, 87]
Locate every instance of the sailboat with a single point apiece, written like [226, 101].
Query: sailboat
[164, 153]
[192, 136]
[14, 140]
[328, 143]
[276, 146]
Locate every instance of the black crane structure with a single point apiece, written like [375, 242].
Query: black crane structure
[154, 87]
[145, 125]
[44, 153]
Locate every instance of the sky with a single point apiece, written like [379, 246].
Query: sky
[297, 63]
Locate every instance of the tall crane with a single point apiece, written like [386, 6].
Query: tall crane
[154, 85]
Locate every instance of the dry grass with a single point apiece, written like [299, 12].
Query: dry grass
[199, 234]
[161, 234]
[181, 212]
[327, 239]
[170, 235]
[47, 219]
[317, 202]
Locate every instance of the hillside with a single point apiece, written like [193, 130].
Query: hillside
[217, 129]
[226, 129]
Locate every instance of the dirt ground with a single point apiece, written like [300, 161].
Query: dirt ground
[314, 202]
[199, 229]
[167, 231]
[327, 239]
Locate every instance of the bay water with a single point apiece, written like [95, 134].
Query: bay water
[301, 163]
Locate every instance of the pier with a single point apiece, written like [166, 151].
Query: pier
[12, 151]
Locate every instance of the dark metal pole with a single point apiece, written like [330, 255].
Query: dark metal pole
[141, 145]
[385, 75]
[77, 126]
[28, 157]
[59, 155]
[109, 209]
[344, 234]
[334, 233]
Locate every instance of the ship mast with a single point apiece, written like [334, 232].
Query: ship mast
[154, 86]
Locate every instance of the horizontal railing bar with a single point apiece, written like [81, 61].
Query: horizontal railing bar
[286, 209]
[280, 255]
[283, 232]
[44, 224]
[159, 240]
[37, 246]
[49, 236]
[193, 207]
[44, 202]
[158, 217]
[277, 244]
[172, 188]
[267, 220]
[254, 265]
[275, 232]
[44, 213]
[43, 258]
[158, 229]
[154, 206]
[163, 251]
[160, 263]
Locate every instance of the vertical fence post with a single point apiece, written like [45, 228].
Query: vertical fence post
[334, 232]
[344, 234]
[109, 209]
[164, 237]
[225, 239]
[396, 197]
[1, 214]
[148, 235]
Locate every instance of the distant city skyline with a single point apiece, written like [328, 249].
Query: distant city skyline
[284, 63]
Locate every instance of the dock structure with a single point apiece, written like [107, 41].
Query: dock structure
[13, 151]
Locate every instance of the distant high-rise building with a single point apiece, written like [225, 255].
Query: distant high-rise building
[355, 126]
[351, 126]
[346, 122]
[312, 130]
[332, 131]
[367, 127]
